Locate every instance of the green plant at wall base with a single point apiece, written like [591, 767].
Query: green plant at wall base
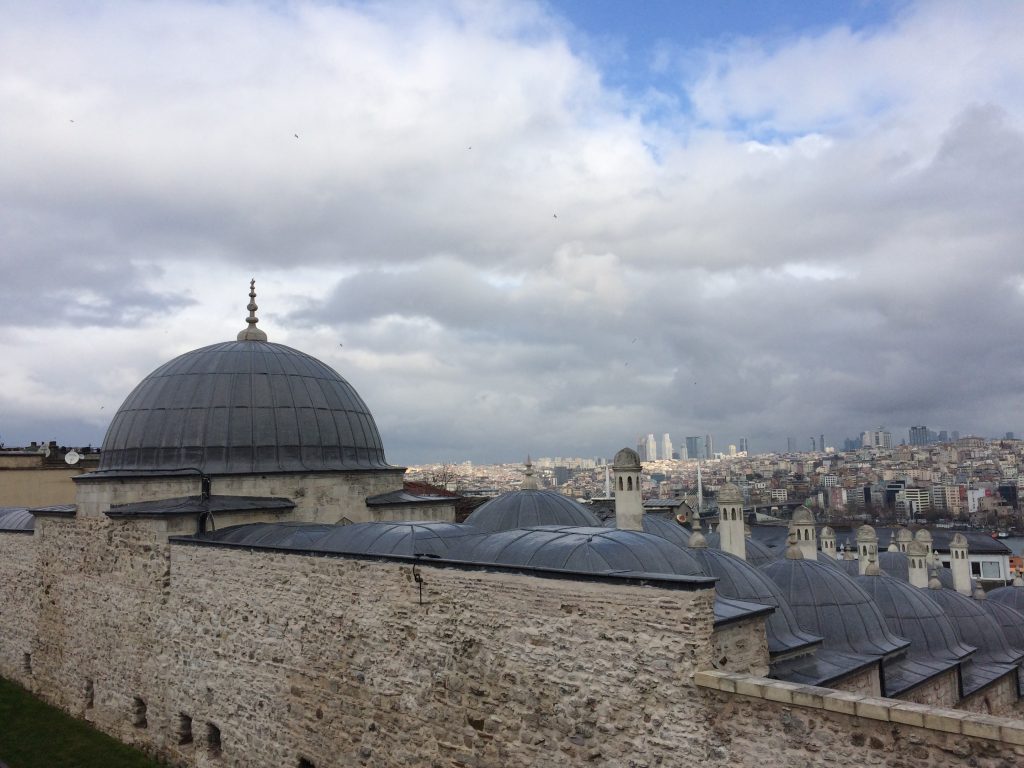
[36, 735]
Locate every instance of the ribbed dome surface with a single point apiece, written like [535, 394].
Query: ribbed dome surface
[663, 527]
[16, 519]
[383, 538]
[587, 550]
[530, 508]
[242, 407]
[976, 626]
[829, 603]
[1012, 596]
[741, 580]
[912, 613]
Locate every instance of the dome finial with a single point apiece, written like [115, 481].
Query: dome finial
[251, 332]
[530, 483]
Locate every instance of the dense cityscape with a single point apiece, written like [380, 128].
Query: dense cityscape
[929, 478]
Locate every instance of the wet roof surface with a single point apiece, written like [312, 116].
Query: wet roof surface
[193, 505]
[529, 507]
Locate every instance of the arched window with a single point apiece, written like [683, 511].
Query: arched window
[629, 483]
[620, 483]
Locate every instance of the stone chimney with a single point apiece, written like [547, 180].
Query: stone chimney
[917, 555]
[867, 548]
[959, 564]
[629, 506]
[802, 525]
[925, 537]
[828, 542]
[731, 522]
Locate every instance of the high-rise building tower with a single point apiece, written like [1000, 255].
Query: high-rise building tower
[876, 438]
[709, 447]
[641, 448]
[744, 445]
[652, 448]
[790, 445]
[919, 435]
[666, 446]
[821, 443]
[693, 447]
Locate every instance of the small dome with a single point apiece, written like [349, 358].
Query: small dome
[730, 493]
[912, 613]
[924, 536]
[529, 508]
[740, 580]
[802, 516]
[829, 603]
[827, 532]
[1012, 596]
[396, 538]
[1010, 620]
[242, 407]
[895, 564]
[976, 626]
[904, 536]
[627, 459]
[866, 533]
[958, 540]
[586, 550]
[16, 519]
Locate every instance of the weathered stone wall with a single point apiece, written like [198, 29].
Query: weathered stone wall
[941, 691]
[19, 602]
[757, 722]
[866, 682]
[741, 647]
[322, 497]
[999, 698]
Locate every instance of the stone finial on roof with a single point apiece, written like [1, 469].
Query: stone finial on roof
[792, 548]
[697, 541]
[1018, 581]
[251, 332]
[530, 482]
[933, 578]
[979, 593]
[872, 568]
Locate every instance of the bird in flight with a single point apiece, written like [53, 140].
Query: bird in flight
[296, 135]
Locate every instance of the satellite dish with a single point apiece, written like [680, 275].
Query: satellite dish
[72, 457]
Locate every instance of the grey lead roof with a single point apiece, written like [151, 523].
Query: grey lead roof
[829, 603]
[242, 407]
[16, 519]
[740, 580]
[193, 505]
[583, 549]
[527, 508]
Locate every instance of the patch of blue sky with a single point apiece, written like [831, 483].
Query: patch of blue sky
[652, 45]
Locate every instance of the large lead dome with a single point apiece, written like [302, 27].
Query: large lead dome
[242, 407]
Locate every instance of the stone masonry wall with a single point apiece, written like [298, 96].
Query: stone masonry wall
[942, 691]
[741, 647]
[19, 601]
[757, 722]
[999, 698]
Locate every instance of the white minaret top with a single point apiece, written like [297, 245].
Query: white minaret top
[917, 555]
[958, 563]
[731, 522]
[802, 524]
[251, 332]
[629, 506]
[828, 541]
[867, 547]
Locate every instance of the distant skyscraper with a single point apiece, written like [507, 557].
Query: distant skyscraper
[956, 435]
[666, 446]
[790, 445]
[641, 448]
[709, 447]
[1009, 436]
[943, 436]
[744, 445]
[919, 435]
[821, 444]
[693, 447]
[876, 438]
[813, 446]
[652, 448]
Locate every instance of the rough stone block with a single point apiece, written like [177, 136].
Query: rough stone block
[945, 720]
[874, 708]
[843, 702]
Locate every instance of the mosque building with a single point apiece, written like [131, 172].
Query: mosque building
[245, 581]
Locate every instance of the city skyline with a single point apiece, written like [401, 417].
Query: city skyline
[520, 226]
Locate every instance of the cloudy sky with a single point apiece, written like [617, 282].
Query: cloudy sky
[517, 227]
